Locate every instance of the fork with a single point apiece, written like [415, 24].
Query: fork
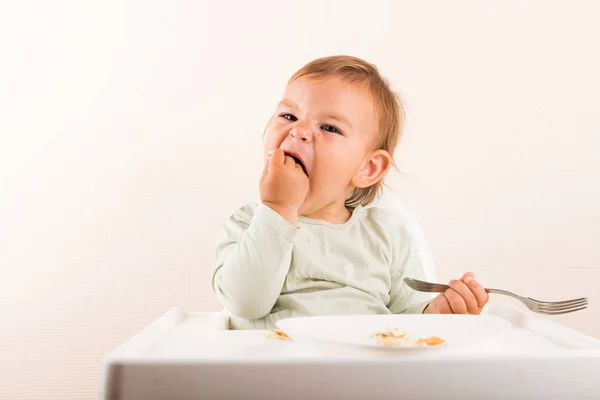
[541, 307]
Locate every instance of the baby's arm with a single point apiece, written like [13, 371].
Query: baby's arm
[254, 252]
[253, 256]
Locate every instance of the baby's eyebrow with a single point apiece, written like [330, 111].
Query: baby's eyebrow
[288, 103]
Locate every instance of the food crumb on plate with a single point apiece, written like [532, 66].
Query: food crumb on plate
[430, 341]
[394, 337]
[276, 334]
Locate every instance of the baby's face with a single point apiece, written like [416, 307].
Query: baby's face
[328, 125]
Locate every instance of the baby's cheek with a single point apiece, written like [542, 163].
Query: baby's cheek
[273, 140]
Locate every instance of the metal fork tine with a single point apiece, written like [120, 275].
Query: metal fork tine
[558, 303]
[565, 303]
[563, 311]
[562, 307]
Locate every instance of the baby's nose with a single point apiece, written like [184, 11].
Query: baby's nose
[301, 132]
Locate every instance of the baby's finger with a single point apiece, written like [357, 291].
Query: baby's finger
[277, 157]
[465, 292]
[290, 161]
[456, 302]
[471, 274]
[478, 291]
[442, 304]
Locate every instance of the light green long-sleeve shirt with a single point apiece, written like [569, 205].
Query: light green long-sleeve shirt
[267, 270]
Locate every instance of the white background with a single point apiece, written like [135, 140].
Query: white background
[130, 129]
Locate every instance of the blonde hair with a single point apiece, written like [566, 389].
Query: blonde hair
[388, 106]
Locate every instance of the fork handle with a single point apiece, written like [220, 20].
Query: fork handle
[440, 288]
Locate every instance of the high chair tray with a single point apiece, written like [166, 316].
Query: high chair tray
[182, 355]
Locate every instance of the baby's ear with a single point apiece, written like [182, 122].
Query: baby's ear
[372, 169]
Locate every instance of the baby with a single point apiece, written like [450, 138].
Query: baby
[313, 246]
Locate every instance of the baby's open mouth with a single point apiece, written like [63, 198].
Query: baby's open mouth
[297, 160]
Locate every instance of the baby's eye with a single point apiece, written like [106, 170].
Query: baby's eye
[331, 129]
[289, 117]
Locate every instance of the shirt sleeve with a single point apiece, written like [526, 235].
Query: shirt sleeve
[252, 258]
[406, 263]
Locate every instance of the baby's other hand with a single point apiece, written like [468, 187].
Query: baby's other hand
[465, 296]
[283, 186]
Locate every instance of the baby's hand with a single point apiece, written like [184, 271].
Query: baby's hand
[465, 296]
[283, 186]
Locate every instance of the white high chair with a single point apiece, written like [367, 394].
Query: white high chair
[392, 203]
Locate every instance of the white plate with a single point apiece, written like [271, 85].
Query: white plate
[456, 330]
